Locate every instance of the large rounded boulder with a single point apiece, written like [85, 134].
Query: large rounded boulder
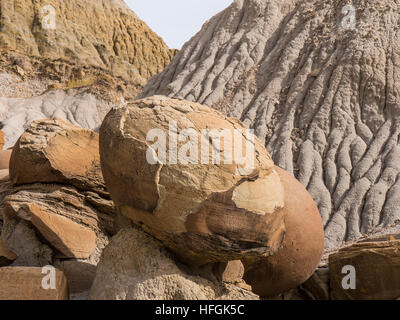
[206, 198]
[302, 247]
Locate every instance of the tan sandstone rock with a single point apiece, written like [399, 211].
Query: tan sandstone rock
[135, 266]
[303, 245]
[5, 156]
[204, 212]
[57, 211]
[58, 152]
[231, 272]
[70, 238]
[25, 283]
[2, 140]
[377, 271]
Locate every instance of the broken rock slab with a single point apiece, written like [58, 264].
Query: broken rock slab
[71, 239]
[26, 283]
[368, 270]
[324, 105]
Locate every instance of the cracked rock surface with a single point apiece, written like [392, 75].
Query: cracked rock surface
[323, 99]
[204, 212]
[55, 209]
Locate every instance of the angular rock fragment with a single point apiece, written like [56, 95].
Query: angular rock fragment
[5, 156]
[203, 209]
[368, 270]
[71, 239]
[230, 272]
[26, 283]
[2, 140]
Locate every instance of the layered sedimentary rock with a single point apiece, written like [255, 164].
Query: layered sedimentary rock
[135, 266]
[319, 83]
[56, 209]
[368, 270]
[24, 283]
[105, 34]
[54, 151]
[201, 202]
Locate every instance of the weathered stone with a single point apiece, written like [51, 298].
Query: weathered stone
[105, 34]
[2, 140]
[203, 212]
[25, 283]
[230, 272]
[7, 256]
[54, 151]
[322, 98]
[377, 271]
[302, 247]
[5, 156]
[135, 266]
[70, 238]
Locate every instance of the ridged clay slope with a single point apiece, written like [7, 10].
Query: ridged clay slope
[101, 33]
[322, 97]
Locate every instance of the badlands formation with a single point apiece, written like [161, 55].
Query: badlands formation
[88, 192]
[96, 54]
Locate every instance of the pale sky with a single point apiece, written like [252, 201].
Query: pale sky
[176, 21]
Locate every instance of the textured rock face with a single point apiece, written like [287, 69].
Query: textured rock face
[377, 271]
[323, 99]
[302, 247]
[22, 283]
[203, 211]
[135, 266]
[71, 239]
[77, 107]
[56, 211]
[5, 159]
[54, 151]
[2, 140]
[105, 34]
